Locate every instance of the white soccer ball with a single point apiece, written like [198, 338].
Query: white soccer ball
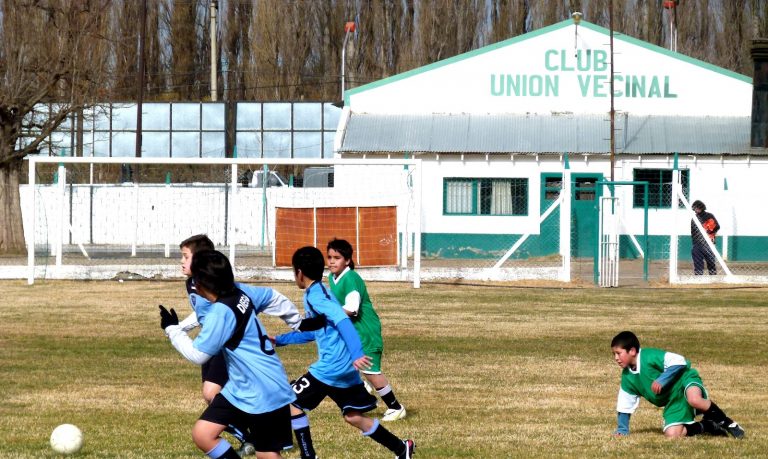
[66, 439]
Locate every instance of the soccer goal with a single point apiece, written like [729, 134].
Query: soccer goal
[123, 218]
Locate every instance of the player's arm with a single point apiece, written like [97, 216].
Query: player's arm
[284, 308]
[280, 306]
[626, 404]
[352, 303]
[274, 303]
[293, 338]
[674, 366]
[169, 322]
[352, 340]
[189, 323]
[337, 318]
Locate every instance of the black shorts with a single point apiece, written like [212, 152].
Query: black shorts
[269, 432]
[310, 392]
[215, 370]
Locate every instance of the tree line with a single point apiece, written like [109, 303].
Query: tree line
[291, 50]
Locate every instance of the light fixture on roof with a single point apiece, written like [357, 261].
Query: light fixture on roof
[576, 17]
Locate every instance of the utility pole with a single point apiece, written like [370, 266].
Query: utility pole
[214, 49]
[140, 79]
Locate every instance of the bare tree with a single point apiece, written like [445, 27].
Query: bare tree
[188, 50]
[45, 78]
[237, 52]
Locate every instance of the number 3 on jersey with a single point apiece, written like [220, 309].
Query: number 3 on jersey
[300, 384]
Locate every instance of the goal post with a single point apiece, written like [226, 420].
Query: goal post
[129, 217]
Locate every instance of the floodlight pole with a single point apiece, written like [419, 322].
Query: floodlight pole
[613, 111]
[576, 16]
[349, 27]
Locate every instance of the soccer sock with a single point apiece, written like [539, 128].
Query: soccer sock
[714, 413]
[300, 425]
[385, 438]
[694, 429]
[388, 396]
[223, 450]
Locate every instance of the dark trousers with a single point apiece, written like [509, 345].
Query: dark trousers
[700, 253]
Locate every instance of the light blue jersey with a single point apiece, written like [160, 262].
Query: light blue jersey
[334, 365]
[257, 380]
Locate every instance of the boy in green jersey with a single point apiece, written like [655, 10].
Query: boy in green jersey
[666, 380]
[349, 289]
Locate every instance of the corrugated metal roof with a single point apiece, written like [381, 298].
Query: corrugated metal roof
[556, 133]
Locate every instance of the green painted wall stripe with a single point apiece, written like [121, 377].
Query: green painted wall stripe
[493, 246]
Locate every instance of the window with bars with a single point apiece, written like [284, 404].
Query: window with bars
[659, 187]
[485, 196]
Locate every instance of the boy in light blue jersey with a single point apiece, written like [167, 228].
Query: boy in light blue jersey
[257, 394]
[336, 372]
[666, 380]
[214, 371]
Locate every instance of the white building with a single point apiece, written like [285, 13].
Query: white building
[498, 126]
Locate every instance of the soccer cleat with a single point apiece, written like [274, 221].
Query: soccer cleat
[246, 449]
[410, 448]
[713, 428]
[393, 414]
[734, 430]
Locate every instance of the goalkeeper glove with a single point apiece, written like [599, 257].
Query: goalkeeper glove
[168, 318]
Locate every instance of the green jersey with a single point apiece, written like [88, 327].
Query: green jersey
[651, 363]
[366, 321]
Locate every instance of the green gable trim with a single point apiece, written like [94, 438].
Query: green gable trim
[454, 59]
[536, 33]
[666, 52]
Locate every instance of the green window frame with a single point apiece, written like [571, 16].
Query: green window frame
[485, 196]
[659, 187]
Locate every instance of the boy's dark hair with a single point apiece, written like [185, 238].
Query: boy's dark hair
[344, 248]
[211, 270]
[197, 243]
[626, 340]
[698, 205]
[310, 261]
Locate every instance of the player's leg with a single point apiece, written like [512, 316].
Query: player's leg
[679, 415]
[354, 402]
[215, 375]
[712, 413]
[381, 384]
[206, 432]
[676, 431]
[395, 410]
[309, 393]
[271, 432]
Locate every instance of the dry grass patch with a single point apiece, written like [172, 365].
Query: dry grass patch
[495, 371]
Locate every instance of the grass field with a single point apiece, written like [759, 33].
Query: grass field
[491, 371]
